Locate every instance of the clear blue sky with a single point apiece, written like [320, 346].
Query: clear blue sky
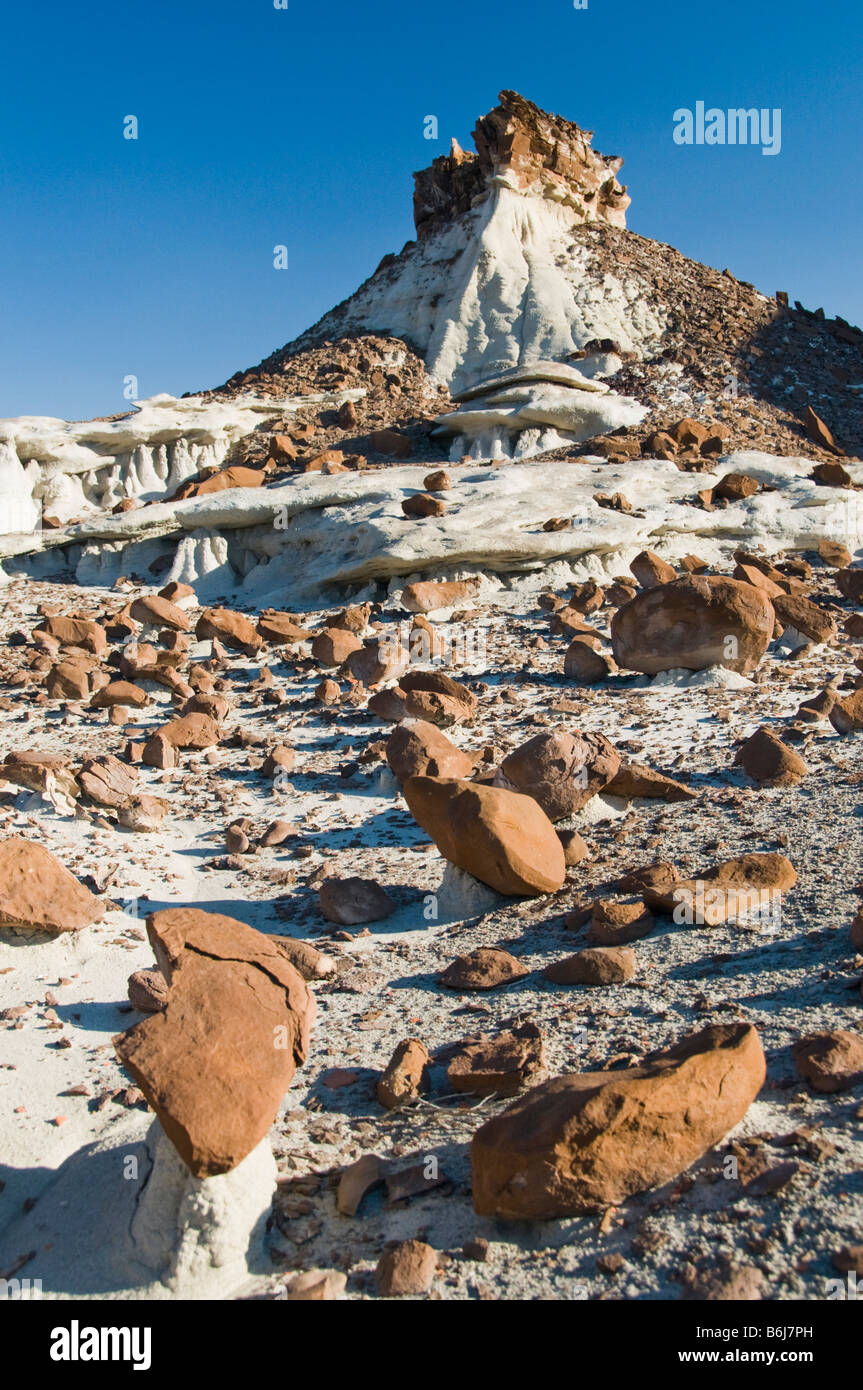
[302, 126]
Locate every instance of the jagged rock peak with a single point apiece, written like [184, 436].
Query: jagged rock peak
[530, 151]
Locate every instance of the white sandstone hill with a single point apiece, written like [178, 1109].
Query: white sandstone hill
[524, 319]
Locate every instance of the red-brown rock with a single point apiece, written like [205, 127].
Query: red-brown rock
[561, 771]
[587, 1141]
[694, 623]
[502, 838]
[419, 749]
[488, 967]
[831, 1061]
[234, 630]
[37, 892]
[215, 1063]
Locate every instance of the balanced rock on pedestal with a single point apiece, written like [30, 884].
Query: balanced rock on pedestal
[500, 837]
[215, 1063]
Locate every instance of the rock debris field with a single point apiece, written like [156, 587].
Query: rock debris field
[511, 953]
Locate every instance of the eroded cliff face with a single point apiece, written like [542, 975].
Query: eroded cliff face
[524, 319]
[522, 148]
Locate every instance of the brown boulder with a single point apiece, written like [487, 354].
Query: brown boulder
[766, 759]
[389, 705]
[586, 597]
[561, 771]
[651, 570]
[39, 772]
[148, 991]
[423, 504]
[317, 1285]
[502, 1065]
[568, 622]
[276, 833]
[142, 813]
[437, 698]
[818, 431]
[428, 595]
[328, 692]
[120, 693]
[689, 433]
[438, 481]
[159, 752]
[356, 618]
[390, 442]
[500, 837]
[832, 475]
[107, 781]
[232, 629]
[615, 923]
[193, 731]
[38, 893]
[735, 487]
[634, 780]
[69, 680]
[834, 553]
[176, 590]
[333, 645]
[694, 623]
[488, 967]
[587, 1141]
[846, 715]
[282, 448]
[574, 848]
[216, 706]
[817, 707]
[621, 591]
[849, 582]
[728, 891]
[831, 1061]
[807, 617]
[405, 1074]
[76, 632]
[406, 1268]
[280, 760]
[221, 481]
[350, 901]
[159, 612]
[282, 629]
[380, 660]
[584, 666]
[421, 750]
[748, 574]
[215, 1063]
[597, 965]
[311, 963]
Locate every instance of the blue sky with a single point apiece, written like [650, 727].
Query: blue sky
[260, 126]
